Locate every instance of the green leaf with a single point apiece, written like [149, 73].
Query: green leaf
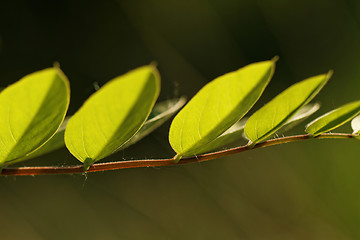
[161, 112]
[159, 115]
[333, 119]
[266, 121]
[232, 135]
[217, 106]
[55, 143]
[112, 115]
[355, 125]
[236, 132]
[31, 111]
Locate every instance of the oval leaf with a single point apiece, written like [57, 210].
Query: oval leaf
[355, 124]
[333, 119]
[31, 111]
[112, 115]
[236, 132]
[55, 143]
[266, 121]
[160, 113]
[217, 106]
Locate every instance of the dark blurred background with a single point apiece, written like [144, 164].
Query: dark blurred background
[308, 190]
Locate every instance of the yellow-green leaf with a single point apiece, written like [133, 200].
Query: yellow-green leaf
[217, 106]
[160, 113]
[334, 119]
[266, 121]
[112, 115]
[55, 143]
[31, 111]
[236, 132]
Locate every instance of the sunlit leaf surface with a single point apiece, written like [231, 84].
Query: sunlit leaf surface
[55, 143]
[31, 111]
[112, 115]
[334, 119]
[266, 121]
[217, 106]
[236, 132]
[161, 112]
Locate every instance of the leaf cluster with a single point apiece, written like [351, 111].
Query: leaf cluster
[123, 111]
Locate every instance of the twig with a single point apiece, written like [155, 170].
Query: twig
[50, 170]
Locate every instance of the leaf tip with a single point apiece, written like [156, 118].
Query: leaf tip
[63, 77]
[153, 68]
[275, 59]
[153, 64]
[56, 65]
[329, 74]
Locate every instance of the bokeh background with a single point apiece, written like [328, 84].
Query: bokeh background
[308, 190]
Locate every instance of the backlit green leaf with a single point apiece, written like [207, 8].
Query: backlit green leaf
[334, 119]
[161, 113]
[31, 111]
[217, 106]
[236, 132]
[266, 121]
[55, 143]
[112, 115]
[355, 124]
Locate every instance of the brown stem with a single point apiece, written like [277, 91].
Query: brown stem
[30, 171]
